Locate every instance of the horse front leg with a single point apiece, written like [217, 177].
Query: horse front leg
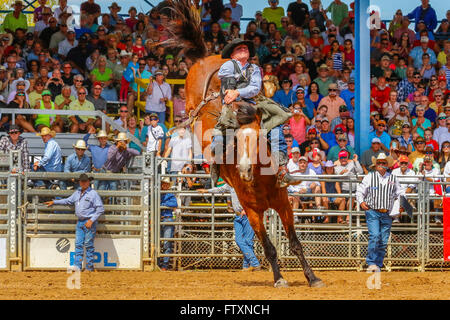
[256, 221]
[283, 207]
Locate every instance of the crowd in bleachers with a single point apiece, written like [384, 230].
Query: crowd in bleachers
[305, 50]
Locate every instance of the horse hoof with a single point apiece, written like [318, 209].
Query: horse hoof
[281, 283]
[317, 284]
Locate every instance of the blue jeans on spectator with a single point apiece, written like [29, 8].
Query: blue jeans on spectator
[379, 226]
[167, 232]
[46, 183]
[243, 235]
[109, 94]
[84, 238]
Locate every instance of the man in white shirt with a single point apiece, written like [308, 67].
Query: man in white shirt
[406, 183]
[298, 166]
[63, 7]
[67, 44]
[159, 93]
[154, 135]
[180, 147]
[42, 24]
[346, 167]
[443, 135]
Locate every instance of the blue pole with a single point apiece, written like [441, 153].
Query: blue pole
[362, 64]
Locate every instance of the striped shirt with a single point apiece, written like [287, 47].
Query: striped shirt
[379, 192]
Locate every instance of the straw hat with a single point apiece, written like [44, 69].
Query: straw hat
[46, 131]
[382, 156]
[81, 144]
[122, 136]
[101, 134]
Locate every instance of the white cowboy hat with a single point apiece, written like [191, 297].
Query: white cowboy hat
[101, 134]
[81, 144]
[166, 180]
[9, 36]
[14, 84]
[45, 131]
[124, 53]
[383, 156]
[122, 136]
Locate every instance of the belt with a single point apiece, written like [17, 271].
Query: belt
[382, 210]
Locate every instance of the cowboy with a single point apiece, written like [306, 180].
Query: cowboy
[52, 159]
[88, 208]
[77, 162]
[99, 155]
[14, 141]
[376, 195]
[118, 157]
[241, 82]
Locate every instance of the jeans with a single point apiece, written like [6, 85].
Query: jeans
[47, 183]
[105, 184]
[243, 235]
[277, 141]
[84, 238]
[167, 232]
[379, 226]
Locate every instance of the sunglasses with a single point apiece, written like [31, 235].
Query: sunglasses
[404, 163]
[420, 142]
[382, 125]
[152, 119]
[78, 80]
[314, 142]
[332, 89]
[417, 77]
[446, 146]
[123, 110]
[342, 139]
[82, 93]
[14, 132]
[429, 152]
[288, 140]
[21, 95]
[442, 118]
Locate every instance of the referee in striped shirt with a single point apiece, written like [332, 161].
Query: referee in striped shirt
[376, 195]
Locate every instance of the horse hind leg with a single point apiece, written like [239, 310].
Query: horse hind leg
[256, 221]
[285, 212]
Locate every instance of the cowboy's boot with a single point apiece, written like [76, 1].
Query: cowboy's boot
[284, 178]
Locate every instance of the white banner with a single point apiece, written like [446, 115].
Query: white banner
[2, 253]
[59, 252]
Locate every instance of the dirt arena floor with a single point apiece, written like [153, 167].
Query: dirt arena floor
[226, 285]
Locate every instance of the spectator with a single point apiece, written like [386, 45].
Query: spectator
[297, 166]
[415, 56]
[155, 134]
[391, 107]
[67, 44]
[346, 167]
[114, 16]
[236, 10]
[300, 71]
[55, 83]
[52, 158]
[134, 130]
[430, 173]
[81, 123]
[331, 187]
[15, 19]
[123, 116]
[421, 123]
[159, 93]
[315, 159]
[419, 152]
[87, 212]
[104, 76]
[273, 13]
[179, 103]
[128, 76]
[424, 13]
[47, 33]
[374, 151]
[98, 101]
[99, 155]
[78, 55]
[62, 102]
[18, 86]
[298, 123]
[274, 57]
[444, 155]
[180, 147]
[341, 144]
[14, 141]
[22, 121]
[332, 101]
[77, 162]
[339, 11]
[407, 85]
[314, 95]
[305, 103]
[47, 120]
[344, 115]
[285, 96]
[290, 142]
[379, 95]
[428, 135]
[438, 104]
[323, 80]
[380, 133]
[63, 8]
[326, 134]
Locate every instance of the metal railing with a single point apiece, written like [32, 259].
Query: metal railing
[36, 237]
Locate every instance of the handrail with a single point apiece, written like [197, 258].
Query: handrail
[96, 113]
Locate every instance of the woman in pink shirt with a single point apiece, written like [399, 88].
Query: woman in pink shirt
[298, 124]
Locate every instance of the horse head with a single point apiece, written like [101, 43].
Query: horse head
[247, 137]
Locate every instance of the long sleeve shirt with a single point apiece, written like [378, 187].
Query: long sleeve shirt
[74, 164]
[429, 17]
[88, 205]
[99, 154]
[379, 192]
[353, 168]
[234, 198]
[52, 159]
[168, 200]
[227, 70]
[116, 160]
[22, 145]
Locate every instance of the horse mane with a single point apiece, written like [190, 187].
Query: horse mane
[186, 30]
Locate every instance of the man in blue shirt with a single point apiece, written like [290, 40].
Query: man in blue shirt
[88, 208]
[381, 134]
[167, 200]
[285, 96]
[426, 13]
[306, 104]
[52, 159]
[415, 56]
[348, 94]
[99, 155]
[327, 135]
[77, 162]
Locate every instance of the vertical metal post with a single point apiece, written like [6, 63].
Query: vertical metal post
[362, 64]
[213, 219]
[146, 202]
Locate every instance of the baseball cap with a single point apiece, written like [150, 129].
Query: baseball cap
[403, 158]
[343, 108]
[286, 126]
[46, 93]
[169, 56]
[386, 57]
[419, 139]
[158, 72]
[442, 78]
[351, 80]
[295, 149]
[14, 127]
[374, 113]
[303, 158]
[421, 21]
[70, 31]
[300, 89]
[442, 115]
[312, 130]
[343, 154]
[340, 127]
[329, 164]
[381, 122]
[376, 140]
[323, 66]
[325, 119]
[258, 12]
[154, 115]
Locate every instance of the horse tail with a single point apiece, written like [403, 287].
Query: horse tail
[186, 30]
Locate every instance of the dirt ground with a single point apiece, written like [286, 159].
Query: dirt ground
[226, 285]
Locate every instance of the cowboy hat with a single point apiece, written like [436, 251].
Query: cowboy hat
[15, 82]
[46, 131]
[101, 134]
[81, 144]
[166, 180]
[8, 37]
[115, 5]
[124, 53]
[383, 156]
[85, 177]
[228, 50]
[122, 136]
